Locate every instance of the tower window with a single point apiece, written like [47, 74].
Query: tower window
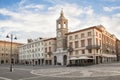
[64, 25]
[59, 26]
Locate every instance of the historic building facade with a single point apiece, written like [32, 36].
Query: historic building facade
[108, 45]
[60, 55]
[5, 52]
[118, 49]
[84, 46]
[50, 48]
[32, 52]
[92, 45]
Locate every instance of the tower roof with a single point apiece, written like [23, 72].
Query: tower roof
[61, 15]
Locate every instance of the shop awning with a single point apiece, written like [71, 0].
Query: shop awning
[73, 58]
[84, 57]
[109, 55]
[79, 58]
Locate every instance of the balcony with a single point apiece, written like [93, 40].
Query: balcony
[93, 47]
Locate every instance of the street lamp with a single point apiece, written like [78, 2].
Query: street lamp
[11, 37]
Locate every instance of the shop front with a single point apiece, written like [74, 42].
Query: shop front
[81, 61]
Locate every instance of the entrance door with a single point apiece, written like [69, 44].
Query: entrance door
[55, 60]
[64, 60]
[39, 61]
[97, 59]
[100, 59]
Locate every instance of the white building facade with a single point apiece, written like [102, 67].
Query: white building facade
[32, 52]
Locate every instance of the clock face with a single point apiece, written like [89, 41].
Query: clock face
[59, 34]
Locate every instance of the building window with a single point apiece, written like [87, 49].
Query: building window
[35, 44]
[89, 51]
[45, 44]
[76, 36]
[32, 45]
[45, 50]
[100, 42]
[76, 52]
[2, 49]
[36, 55]
[39, 55]
[35, 50]
[70, 53]
[89, 33]
[38, 49]
[33, 55]
[42, 43]
[83, 51]
[96, 50]
[42, 54]
[70, 37]
[32, 50]
[82, 43]
[99, 35]
[70, 44]
[89, 41]
[39, 44]
[76, 44]
[96, 41]
[96, 34]
[49, 49]
[49, 43]
[82, 35]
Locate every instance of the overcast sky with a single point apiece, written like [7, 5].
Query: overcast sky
[37, 18]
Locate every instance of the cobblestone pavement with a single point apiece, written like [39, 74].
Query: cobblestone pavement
[109, 71]
[71, 72]
[86, 78]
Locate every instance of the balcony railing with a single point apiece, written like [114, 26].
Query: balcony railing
[93, 47]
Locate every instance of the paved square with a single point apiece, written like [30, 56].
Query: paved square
[109, 71]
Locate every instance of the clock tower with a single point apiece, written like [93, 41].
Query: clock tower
[61, 30]
[60, 55]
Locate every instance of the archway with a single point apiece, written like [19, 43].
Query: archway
[64, 60]
[97, 59]
[2, 61]
[100, 59]
[39, 61]
[55, 60]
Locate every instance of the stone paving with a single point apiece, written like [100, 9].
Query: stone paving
[78, 71]
[109, 71]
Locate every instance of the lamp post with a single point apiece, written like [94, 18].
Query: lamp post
[11, 37]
